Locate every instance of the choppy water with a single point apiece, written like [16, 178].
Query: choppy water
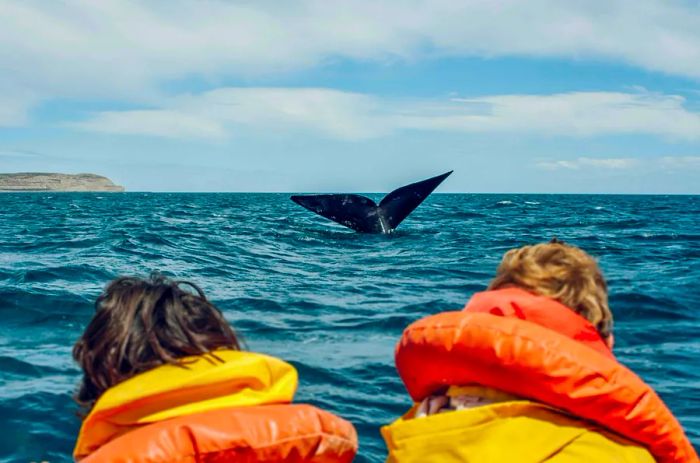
[331, 301]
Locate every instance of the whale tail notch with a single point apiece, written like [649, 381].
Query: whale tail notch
[364, 215]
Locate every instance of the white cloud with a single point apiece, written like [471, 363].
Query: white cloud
[572, 114]
[345, 115]
[14, 108]
[653, 164]
[20, 153]
[128, 49]
[219, 113]
[584, 162]
[680, 162]
[159, 122]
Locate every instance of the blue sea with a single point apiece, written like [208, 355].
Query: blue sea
[329, 300]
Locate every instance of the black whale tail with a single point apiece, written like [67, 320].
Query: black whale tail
[362, 214]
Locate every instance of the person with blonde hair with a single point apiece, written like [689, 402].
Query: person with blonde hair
[525, 373]
[561, 272]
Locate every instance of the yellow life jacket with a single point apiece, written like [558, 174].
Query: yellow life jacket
[228, 405]
[505, 432]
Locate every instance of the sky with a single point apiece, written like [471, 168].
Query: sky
[579, 96]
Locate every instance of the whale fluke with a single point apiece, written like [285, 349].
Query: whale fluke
[362, 214]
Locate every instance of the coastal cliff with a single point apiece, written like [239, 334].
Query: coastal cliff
[29, 181]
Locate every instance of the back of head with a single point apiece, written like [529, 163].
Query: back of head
[140, 324]
[562, 272]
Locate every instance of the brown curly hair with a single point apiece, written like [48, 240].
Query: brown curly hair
[562, 272]
[140, 324]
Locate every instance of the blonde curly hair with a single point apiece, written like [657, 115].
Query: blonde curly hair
[562, 272]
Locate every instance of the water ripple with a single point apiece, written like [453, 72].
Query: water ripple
[331, 301]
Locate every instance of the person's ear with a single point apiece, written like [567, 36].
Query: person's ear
[610, 341]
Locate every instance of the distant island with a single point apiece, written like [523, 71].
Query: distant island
[30, 181]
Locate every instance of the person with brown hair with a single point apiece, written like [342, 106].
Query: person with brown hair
[142, 324]
[526, 373]
[165, 379]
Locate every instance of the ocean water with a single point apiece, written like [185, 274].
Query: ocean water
[329, 300]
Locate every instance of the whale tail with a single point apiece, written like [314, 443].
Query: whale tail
[364, 215]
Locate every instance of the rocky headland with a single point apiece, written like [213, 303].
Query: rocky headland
[30, 181]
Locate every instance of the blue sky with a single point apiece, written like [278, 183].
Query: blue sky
[537, 96]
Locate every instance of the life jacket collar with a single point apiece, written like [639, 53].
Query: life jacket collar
[225, 379]
[518, 303]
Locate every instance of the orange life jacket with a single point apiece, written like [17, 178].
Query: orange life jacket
[233, 408]
[536, 348]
